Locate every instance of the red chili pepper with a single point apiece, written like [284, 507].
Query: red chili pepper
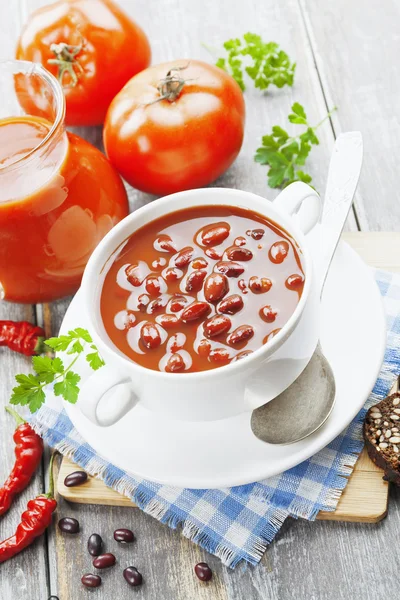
[34, 521]
[28, 453]
[22, 337]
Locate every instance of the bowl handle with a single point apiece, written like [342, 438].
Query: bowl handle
[117, 392]
[303, 202]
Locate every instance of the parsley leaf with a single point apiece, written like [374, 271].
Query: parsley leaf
[284, 154]
[28, 396]
[59, 343]
[30, 390]
[68, 388]
[264, 62]
[47, 368]
[233, 63]
[94, 359]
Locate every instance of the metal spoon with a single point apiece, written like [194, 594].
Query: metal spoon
[306, 404]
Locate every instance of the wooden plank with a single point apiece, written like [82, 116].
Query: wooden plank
[365, 497]
[24, 577]
[358, 70]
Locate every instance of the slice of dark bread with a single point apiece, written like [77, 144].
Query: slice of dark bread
[382, 436]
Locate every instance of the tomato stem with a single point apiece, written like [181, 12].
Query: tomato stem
[171, 86]
[66, 61]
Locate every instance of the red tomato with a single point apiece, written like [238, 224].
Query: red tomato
[175, 126]
[93, 48]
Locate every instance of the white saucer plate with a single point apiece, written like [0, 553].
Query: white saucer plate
[225, 453]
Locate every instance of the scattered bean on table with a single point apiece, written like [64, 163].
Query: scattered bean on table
[104, 561]
[68, 525]
[133, 577]
[124, 536]
[95, 544]
[203, 571]
[91, 581]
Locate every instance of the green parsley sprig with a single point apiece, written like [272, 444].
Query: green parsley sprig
[285, 155]
[268, 63]
[30, 390]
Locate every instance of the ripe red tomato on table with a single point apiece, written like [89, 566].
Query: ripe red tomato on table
[92, 46]
[175, 126]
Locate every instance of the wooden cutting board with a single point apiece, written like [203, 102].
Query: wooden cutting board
[365, 497]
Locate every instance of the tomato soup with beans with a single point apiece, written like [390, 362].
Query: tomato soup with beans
[200, 288]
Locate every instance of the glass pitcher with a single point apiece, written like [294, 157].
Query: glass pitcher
[59, 195]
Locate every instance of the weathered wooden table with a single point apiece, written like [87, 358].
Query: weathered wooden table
[347, 54]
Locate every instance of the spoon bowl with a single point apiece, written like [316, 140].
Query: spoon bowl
[301, 409]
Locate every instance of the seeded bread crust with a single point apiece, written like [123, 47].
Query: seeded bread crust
[382, 436]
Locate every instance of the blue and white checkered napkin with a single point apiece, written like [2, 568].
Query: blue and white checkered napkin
[237, 524]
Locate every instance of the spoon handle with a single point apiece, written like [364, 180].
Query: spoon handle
[343, 175]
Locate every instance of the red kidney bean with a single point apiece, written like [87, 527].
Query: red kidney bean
[220, 356]
[132, 576]
[260, 285]
[231, 305]
[204, 348]
[268, 314]
[242, 285]
[215, 287]
[130, 320]
[68, 525]
[75, 478]
[143, 301]
[156, 305]
[167, 321]
[184, 257]
[177, 303]
[176, 342]
[256, 234]
[133, 275]
[194, 282]
[213, 254]
[241, 334]
[165, 243]
[203, 571]
[91, 581]
[229, 268]
[95, 545]
[150, 336]
[196, 310]
[215, 234]
[278, 252]
[271, 335]
[172, 275]
[153, 286]
[240, 254]
[216, 326]
[241, 355]
[125, 536]
[199, 263]
[104, 561]
[175, 363]
[295, 282]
